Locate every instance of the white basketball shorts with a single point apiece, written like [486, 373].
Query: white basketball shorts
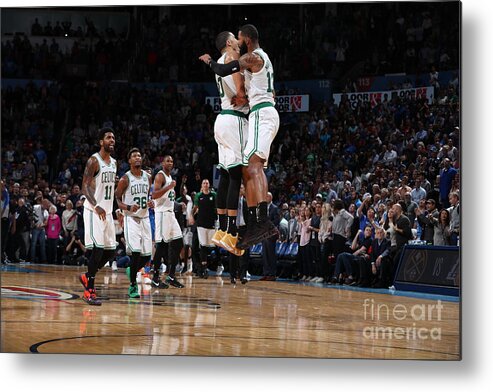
[263, 125]
[167, 227]
[205, 236]
[98, 233]
[230, 133]
[138, 235]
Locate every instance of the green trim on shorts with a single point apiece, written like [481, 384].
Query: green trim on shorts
[234, 113]
[91, 234]
[126, 238]
[255, 138]
[261, 105]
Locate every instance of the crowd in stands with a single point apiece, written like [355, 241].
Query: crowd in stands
[331, 163]
[309, 40]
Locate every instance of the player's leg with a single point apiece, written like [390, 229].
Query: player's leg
[94, 239]
[221, 201]
[204, 251]
[230, 240]
[263, 127]
[174, 249]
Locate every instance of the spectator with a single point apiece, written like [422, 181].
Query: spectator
[370, 267]
[447, 175]
[54, 226]
[69, 220]
[426, 220]
[418, 193]
[441, 234]
[38, 233]
[341, 227]
[454, 211]
[349, 262]
[22, 230]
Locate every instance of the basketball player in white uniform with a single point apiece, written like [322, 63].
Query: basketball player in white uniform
[230, 133]
[168, 234]
[98, 186]
[132, 195]
[263, 124]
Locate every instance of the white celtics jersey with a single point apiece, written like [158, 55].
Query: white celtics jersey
[167, 201]
[260, 85]
[137, 192]
[104, 184]
[227, 90]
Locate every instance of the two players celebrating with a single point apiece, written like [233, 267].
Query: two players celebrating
[241, 79]
[246, 85]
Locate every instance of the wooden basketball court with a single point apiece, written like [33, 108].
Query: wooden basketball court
[42, 312]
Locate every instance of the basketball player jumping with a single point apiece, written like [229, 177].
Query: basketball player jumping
[132, 196]
[98, 186]
[263, 125]
[230, 132]
[169, 237]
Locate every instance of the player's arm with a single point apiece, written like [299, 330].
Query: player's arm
[120, 190]
[92, 167]
[220, 69]
[251, 61]
[159, 190]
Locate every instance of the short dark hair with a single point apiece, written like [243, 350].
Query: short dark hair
[103, 131]
[222, 39]
[135, 149]
[250, 31]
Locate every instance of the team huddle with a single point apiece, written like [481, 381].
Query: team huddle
[244, 131]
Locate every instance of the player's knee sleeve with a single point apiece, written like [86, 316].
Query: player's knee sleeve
[203, 253]
[174, 250]
[222, 190]
[94, 261]
[235, 174]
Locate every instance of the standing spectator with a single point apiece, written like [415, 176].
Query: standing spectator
[447, 175]
[426, 220]
[269, 245]
[38, 233]
[22, 230]
[341, 227]
[454, 211]
[304, 249]
[292, 226]
[441, 234]
[401, 226]
[418, 193]
[316, 264]
[5, 218]
[325, 239]
[54, 226]
[69, 220]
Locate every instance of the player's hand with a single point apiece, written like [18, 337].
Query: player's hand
[172, 184]
[206, 58]
[239, 101]
[101, 213]
[150, 204]
[135, 208]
